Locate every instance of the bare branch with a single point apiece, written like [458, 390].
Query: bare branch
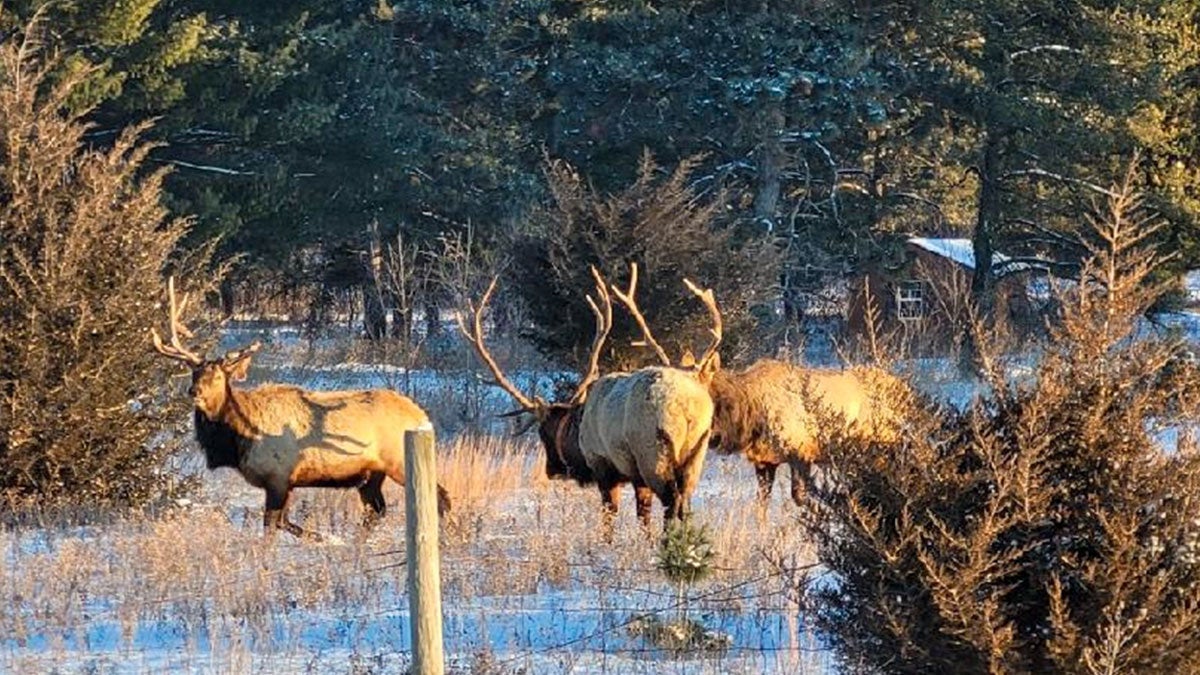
[1039, 49]
[1042, 173]
[210, 168]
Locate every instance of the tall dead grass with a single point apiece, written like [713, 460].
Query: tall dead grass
[513, 536]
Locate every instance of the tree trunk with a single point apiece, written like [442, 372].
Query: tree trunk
[374, 315]
[433, 321]
[766, 202]
[227, 298]
[402, 324]
[983, 279]
[770, 162]
[989, 207]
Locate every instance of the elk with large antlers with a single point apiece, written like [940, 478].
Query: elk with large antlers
[648, 427]
[770, 412]
[281, 437]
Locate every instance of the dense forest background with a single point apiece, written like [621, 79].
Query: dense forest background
[788, 144]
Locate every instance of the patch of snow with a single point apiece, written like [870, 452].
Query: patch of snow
[1191, 286]
[578, 629]
[1185, 324]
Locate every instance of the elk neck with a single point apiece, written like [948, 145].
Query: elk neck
[737, 415]
[560, 436]
[227, 438]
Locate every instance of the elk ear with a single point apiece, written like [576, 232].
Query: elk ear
[709, 371]
[237, 368]
[237, 363]
[688, 359]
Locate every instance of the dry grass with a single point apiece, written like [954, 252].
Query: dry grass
[515, 541]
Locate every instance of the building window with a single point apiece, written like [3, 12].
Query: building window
[910, 300]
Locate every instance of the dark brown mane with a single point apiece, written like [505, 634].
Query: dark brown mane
[559, 434]
[222, 445]
[738, 417]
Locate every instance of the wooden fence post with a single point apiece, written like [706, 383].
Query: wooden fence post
[424, 574]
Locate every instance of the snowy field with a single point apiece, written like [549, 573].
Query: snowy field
[529, 584]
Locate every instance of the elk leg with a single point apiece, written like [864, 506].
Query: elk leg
[443, 497]
[766, 480]
[371, 494]
[666, 482]
[610, 492]
[667, 492]
[672, 507]
[644, 501]
[800, 470]
[275, 515]
[687, 477]
[273, 510]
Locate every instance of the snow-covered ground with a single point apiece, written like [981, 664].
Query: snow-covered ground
[518, 597]
[528, 586]
[152, 594]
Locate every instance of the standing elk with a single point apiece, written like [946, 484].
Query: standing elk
[648, 427]
[771, 413]
[281, 437]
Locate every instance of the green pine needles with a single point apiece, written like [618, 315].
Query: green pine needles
[685, 554]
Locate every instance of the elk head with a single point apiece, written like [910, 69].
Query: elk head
[211, 378]
[557, 422]
[710, 362]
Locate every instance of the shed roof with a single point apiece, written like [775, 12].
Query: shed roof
[961, 251]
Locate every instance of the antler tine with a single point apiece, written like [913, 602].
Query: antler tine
[626, 299]
[475, 336]
[175, 350]
[177, 325]
[710, 303]
[604, 315]
[244, 351]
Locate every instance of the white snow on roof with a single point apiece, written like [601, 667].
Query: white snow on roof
[962, 252]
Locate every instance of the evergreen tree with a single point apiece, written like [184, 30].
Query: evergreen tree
[1035, 98]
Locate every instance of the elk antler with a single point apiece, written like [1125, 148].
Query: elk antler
[710, 303]
[475, 337]
[626, 299]
[176, 350]
[242, 353]
[604, 315]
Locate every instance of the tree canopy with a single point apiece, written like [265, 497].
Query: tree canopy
[835, 130]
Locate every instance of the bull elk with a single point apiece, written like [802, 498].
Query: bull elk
[280, 437]
[770, 413]
[648, 427]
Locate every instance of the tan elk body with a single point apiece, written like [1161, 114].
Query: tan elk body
[648, 427]
[280, 437]
[771, 414]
